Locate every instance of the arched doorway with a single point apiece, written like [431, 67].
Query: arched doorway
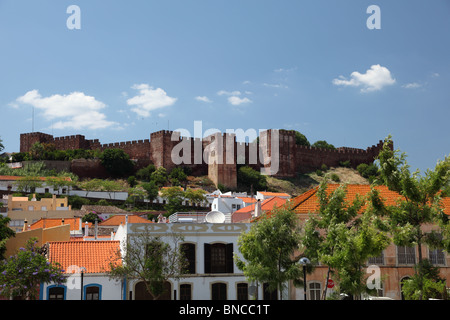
[141, 293]
[401, 287]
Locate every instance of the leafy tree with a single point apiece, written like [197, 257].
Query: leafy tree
[196, 196]
[151, 189]
[2, 147]
[431, 285]
[90, 217]
[268, 250]
[151, 259]
[159, 176]
[174, 196]
[301, 140]
[419, 205]
[5, 234]
[110, 186]
[177, 176]
[28, 183]
[116, 162]
[22, 274]
[248, 177]
[145, 173]
[342, 239]
[323, 145]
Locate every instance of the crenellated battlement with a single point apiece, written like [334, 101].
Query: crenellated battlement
[293, 158]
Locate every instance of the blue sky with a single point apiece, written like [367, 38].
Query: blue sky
[136, 67]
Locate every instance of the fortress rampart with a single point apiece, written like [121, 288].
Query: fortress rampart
[197, 153]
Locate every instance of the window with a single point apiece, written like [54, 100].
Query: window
[436, 256]
[189, 253]
[219, 291]
[269, 295]
[314, 291]
[44, 208]
[30, 208]
[219, 258]
[185, 292]
[56, 293]
[242, 291]
[406, 255]
[377, 260]
[92, 293]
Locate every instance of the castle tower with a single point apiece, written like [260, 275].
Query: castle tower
[220, 156]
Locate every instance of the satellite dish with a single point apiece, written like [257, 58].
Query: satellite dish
[215, 217]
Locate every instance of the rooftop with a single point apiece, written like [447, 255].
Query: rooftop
[95, 256]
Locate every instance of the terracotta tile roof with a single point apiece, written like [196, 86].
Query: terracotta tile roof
[266, 205]
[248, 199]
[274, 194]
[53, 222]
[119, 219]
[95, 256]
[308, 202]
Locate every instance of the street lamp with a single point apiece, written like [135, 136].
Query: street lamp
[304, 261]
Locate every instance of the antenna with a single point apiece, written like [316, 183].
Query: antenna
[32, 119]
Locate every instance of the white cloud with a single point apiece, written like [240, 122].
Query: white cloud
[203, 99]
[229, 93]
[412, 85]
[236, 101]
[374, 79]
[275, 85]
[75, 110]
[149, 99]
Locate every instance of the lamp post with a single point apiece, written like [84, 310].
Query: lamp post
[304, 261]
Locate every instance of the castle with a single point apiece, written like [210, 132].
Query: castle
[218, 155]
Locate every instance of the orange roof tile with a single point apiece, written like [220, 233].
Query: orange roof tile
[119, 219]
[274, 194]
[248, 199]
[308, 202]
[95, 256]
[54, 222]
[267, 204]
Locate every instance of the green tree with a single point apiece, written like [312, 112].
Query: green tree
[116, 162]
[2, 147]
[323, 145]
[151, 189]
[151, 259]
[5, 233]
[22, 274]
[430, 285]
[419, 204]
[174, 196]
[28, 184]
[177, 176]
[110, 186]
[144, 174]
[268, 250]
[159, 176]
[195, 196]
[342, 239]
[247, 177]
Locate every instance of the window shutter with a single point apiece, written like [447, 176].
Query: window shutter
[207, 248]
[229, 258]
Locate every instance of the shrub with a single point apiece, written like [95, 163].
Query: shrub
[335, 177]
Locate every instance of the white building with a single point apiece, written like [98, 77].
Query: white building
[212, 271]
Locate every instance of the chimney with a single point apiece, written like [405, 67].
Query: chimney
[258, 208]
[62, 221]
[25, 225]
[96, 229]
[86, 229]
